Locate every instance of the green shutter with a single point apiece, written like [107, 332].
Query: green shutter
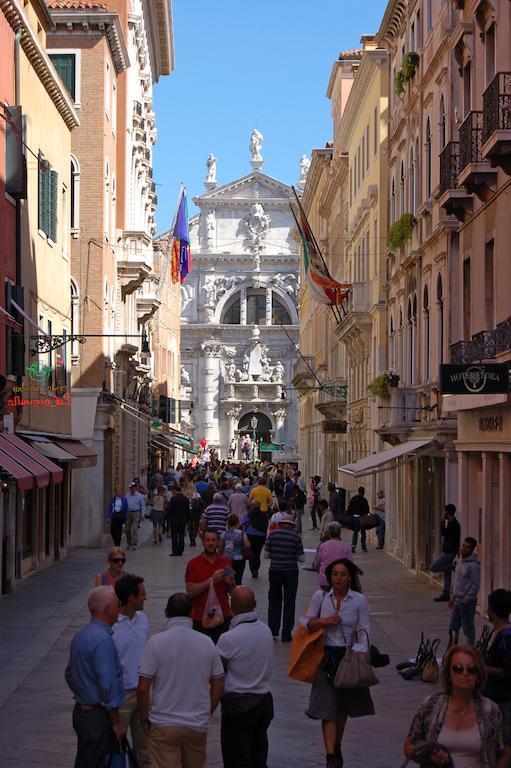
[43, 195]
[65, 64]
[52, 207]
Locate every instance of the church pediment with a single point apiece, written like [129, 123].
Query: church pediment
[255, 185]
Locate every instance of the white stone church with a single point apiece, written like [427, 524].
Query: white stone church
[239, 313]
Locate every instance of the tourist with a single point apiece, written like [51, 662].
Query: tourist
[234, 544]
[181, 682]
[238, 502]
[116, 559]
[196, 512]
[467, 580]
[316, 489]
[94, 675]
[262, 494]
[300, 499]
[357, 508]
[136, 511]
[498, 661]
[334, 501]
[342, 611]
[247, 704]
[379, 509]
[179, 514]
[117, 515]
[326, 517]
[130, 633]
[450, 533]
[157, 514]
[255, 525]
[284, 550]
[333, 548]
[215, 515]
[209, 568]
[458, 723]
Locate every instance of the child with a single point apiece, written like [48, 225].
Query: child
[233, 542]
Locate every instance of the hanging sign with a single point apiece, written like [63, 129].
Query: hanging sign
[475, 379]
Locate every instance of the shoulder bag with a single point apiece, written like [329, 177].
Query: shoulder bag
[355, 669]
[307, 652]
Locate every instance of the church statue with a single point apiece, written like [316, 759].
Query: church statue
[211, 170]
[305, 164]
[243, 373]
[209, 290]
[230, 371]
[256, 143]
[278, 373]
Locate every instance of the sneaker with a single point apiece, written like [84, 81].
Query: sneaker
[353, 549]
[331, 761]
[442, 599]
[364, 549]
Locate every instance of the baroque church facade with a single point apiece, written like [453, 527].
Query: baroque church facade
[239, 314]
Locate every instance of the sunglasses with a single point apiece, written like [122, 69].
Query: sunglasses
[118, 560]
[458, 669]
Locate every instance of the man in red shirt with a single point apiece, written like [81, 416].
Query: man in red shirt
[209, 567]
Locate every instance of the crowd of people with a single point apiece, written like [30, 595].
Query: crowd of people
[216, 651]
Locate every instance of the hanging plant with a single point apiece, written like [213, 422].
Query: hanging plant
[380, 386]
[401, 231]
[399, 82]
[409, 65]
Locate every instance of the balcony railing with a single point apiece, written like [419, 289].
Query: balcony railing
[137, 108]
[483, 346]
[449, 166]
[471, 140]
[503, 336]
[497, 105]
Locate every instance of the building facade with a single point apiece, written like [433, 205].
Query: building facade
[239, 313]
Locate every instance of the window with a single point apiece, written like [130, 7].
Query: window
[467, 89]
[489, 292]
[411, 186]
[280, 314]
[49, 361]
[65, 224]
[402, 190]
[416, 193]
[74, 218]
[367, 147]
[376, 248]
[47, 199]
[489, 50]
[428, 159]
[375, 131]
[75, 327]
[112, 215]
[106, 202]
[114, 107]
[351, 185]
[256, 308]
[232, 315]
[107, 89]
[363, 156]
[440, 317]
[65, 64]
[429, 16]
[61, 363]
[425, 310]
[441, 125]
[393, 202]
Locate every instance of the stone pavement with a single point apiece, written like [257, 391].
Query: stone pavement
[38, 621]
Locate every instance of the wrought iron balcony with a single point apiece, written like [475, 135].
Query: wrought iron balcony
[503, 336]
[497, 121]
[483, 346]
[453, 198]
[137, 108]
[475, 173]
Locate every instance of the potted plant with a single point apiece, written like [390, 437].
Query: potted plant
[399, 82]
[401, 231]
[409, 65]
[380, 386]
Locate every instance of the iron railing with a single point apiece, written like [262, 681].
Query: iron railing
[449, 166]
[503, 336]
[497, 105]
[483, 346]
[471, 139]
[137, 108]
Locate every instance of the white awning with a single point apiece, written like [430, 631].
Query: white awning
[373, 463]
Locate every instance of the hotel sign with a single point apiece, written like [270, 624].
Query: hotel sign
[475, 379]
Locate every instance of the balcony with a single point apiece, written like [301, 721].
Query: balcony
[303, 376]
[248, 391]
[137, 114]
[331, 401]
[454, 199]
[356, 312]
[497, 122]
[483, 346]
[397, 414]
[475, 174]
[503, 336]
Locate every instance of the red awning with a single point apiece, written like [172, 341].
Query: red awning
[85, 456]
[24, 479]
[44, 464]
[42, 477]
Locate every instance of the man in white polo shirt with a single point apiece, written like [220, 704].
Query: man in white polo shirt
[185, 672]
[247, 705]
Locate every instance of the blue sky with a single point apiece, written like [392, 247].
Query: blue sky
[241, 64]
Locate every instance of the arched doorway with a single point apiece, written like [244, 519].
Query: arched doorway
[262, 431]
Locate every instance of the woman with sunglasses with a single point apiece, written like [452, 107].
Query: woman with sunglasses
[458, 728]
[116, 560]
[342, 610]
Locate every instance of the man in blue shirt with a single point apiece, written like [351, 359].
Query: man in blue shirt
[94, 675]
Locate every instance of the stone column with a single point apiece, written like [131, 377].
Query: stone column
[233, 415]
[210, 374]
[243, 305]
[280, 416]
[503, 532]
[269, 309]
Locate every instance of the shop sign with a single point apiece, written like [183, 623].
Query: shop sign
[475, 379]
[491, 424]
[266, 447]
[334, 426]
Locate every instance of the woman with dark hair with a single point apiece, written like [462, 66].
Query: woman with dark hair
[343, 612]
[498, 660]
[458, 728]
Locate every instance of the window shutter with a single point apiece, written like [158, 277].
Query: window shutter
[43, 195]
[52, 208]
[172, 410]
[65, 64]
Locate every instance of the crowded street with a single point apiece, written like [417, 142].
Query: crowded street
[38, 622]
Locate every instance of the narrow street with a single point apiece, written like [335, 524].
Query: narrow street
[38, 621]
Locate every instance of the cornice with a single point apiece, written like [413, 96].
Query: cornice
[320, 160]
[372, 61]
[40, 62]
[105, 23]
[160, 29]
[392, 21]
[213, 329]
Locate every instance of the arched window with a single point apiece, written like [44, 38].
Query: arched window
[400, 344]
[392, 361]
[402, 190]
[393, 202]
[411, 186]
[75, 319]
[232, 313]
[425, 314]
[280, 314]
[428, 159]
[112, 214]
[106, 202]
[416, 192]
[256, 307]
[106, 317]
[74, 218]
[441, 125]
[440, 319]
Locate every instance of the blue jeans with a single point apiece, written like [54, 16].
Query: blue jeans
[443, 564]
[463, 615]
[298, 519]
[380, 531]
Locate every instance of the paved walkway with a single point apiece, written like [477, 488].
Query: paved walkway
[38, 621]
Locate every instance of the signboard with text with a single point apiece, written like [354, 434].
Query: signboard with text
[475, 379]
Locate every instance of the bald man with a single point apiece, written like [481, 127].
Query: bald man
[247, 705]
[94, 675]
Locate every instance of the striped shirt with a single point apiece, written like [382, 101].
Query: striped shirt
[284, 549]
[216, 517]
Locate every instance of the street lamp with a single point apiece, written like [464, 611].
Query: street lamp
[253, 424]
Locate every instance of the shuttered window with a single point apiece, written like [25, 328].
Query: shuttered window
[65, 64]
[48, 199]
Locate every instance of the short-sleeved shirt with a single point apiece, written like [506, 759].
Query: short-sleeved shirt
[181, 663]
[284, 548]
[199, 569]
[263, 495]
[233, 544]
[216, 517]
[248, 649]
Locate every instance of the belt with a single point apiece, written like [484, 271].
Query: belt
[87, 707]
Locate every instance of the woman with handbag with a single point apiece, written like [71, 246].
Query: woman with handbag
[458, 728]
[342, 612]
